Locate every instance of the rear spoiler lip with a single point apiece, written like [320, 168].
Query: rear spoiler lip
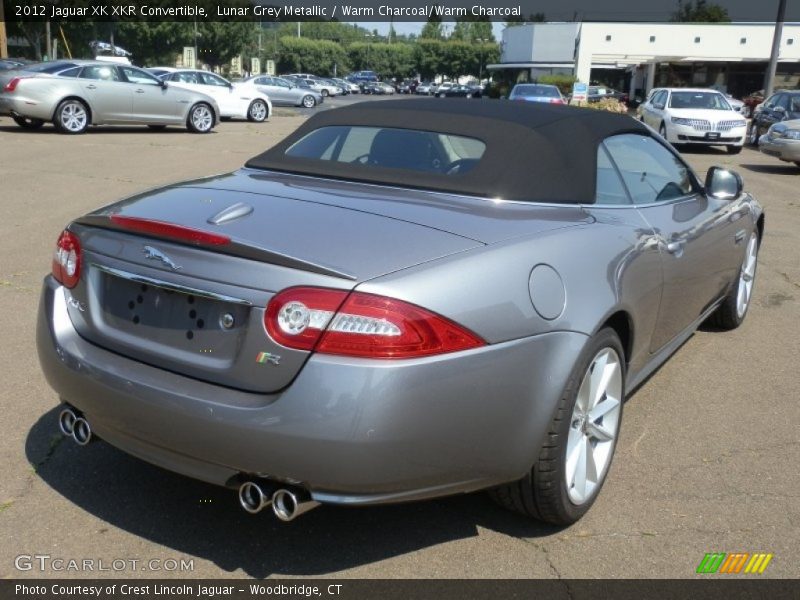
[234, 248]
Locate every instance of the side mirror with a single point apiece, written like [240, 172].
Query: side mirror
[162, 83]
[658, 106]
[723, 184]
[779, 109]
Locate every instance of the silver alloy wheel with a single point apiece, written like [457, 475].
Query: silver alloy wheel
[258, 111]
[202, 119]
[747, 276]
[594, 426]
[309, 102]
[73, 116]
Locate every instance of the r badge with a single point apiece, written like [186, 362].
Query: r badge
[266, 357]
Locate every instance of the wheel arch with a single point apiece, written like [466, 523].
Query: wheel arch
[85, 102]
[217, 115]
[760, 228]
[622, 324]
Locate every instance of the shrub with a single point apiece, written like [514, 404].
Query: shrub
[607, 104]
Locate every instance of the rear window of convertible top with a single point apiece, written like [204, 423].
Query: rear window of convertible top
[407, 149]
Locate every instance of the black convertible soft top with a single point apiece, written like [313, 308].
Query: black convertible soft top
[534, 152]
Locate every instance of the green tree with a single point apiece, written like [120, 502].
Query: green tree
[154, 43]
[429, 58]
[473, 29]
[322, 57]
[218, 42]
[388, 60]
[433, 28]
[700, 11]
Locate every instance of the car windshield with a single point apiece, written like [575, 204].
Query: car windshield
[413, 150]
[705, 100]
[547, 91]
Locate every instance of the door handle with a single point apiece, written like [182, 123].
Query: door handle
[675, 248]
[140, 91]
[91, 87]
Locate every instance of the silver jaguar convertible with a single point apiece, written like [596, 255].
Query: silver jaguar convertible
[400, 301]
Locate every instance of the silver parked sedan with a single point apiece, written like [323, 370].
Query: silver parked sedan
[282, 92]
[401, 300]
[782, 141]
[74, 94]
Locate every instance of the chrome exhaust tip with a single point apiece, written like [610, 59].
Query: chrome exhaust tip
[66, 421]
[288, 505]
[81, 431]
[252, 497]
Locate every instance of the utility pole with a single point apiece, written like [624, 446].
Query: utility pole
[48, 41]
[769, 80]
[3, 38]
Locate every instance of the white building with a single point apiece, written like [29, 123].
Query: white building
[636, 57]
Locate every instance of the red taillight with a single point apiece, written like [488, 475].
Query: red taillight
[67, 260]
[12, 85]
[170, 230]
[363, 325]
[556, 101]
[296, 317]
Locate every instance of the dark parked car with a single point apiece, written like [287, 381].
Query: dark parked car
[408, 86]
[397, 303]
[783, 105]
[597, 93]
[464, 91]
[362, 77]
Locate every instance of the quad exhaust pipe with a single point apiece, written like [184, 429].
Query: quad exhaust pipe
[74, 425]
[286, 504]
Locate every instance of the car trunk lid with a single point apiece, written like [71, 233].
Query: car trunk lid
[197, 309]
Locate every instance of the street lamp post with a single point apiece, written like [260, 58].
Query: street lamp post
[481, 42]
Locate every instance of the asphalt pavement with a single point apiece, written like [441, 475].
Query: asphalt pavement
[707, 461]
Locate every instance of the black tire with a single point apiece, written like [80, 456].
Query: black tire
[157, 127]
[728, 316]
[200, 118]
[325, 93]
[542, 493]
[258, 111]
[733, 149]
[71, 116]
[662, 131]
[752, 135]
[28, 123]
[309, 101]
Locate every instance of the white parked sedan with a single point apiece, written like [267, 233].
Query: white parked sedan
[236, 100]
[695, 116]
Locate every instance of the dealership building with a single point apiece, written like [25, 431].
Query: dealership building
[635, 57]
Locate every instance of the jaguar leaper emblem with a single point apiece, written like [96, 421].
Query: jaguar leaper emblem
[156, 254]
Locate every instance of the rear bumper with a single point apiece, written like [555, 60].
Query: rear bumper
[351, 431]
[18, 105]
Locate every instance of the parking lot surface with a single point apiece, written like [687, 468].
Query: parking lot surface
[707, 461]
